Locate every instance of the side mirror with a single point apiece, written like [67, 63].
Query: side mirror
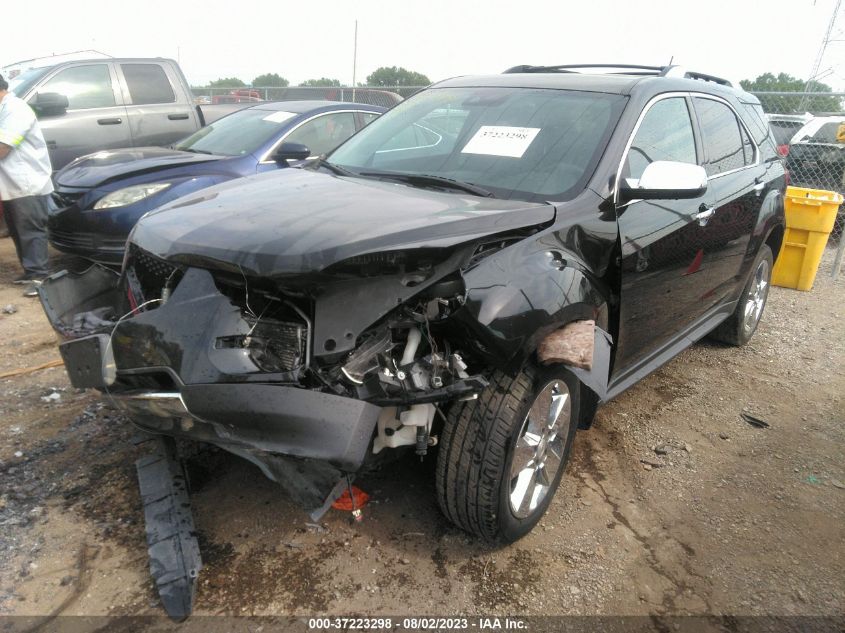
[665, 180]
[49, 104]
[291, 151]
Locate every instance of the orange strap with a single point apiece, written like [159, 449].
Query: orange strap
[58, 362]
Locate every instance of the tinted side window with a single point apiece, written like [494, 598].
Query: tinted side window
[147, 84]
[323, 134]
[764, 134]
[368, 117]
[784, 130]
[665, 133]
[84, 86]
[723, 143]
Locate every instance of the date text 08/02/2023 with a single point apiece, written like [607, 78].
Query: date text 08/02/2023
[415, 624]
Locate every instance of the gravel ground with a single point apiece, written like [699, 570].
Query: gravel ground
[672, 504]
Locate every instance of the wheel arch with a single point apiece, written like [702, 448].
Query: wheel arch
[769, 228]
[774, 240]
[510, 314]
[521, 297]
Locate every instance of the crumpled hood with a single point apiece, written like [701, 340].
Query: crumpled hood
[298, 221]
[95, 169]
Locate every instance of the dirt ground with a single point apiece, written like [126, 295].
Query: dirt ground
[672, 504]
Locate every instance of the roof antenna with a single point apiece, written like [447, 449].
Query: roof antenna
[671, 59]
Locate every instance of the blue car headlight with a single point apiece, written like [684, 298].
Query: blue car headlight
[130, 195]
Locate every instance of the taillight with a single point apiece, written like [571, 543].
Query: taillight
[783, 150]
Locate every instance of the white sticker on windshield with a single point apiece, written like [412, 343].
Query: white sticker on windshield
[279, 117]
[501, 140]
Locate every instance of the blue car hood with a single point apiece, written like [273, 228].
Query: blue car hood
[299, 221]
[97, 169]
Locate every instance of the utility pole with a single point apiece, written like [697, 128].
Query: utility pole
[820, 56]
[355, 60]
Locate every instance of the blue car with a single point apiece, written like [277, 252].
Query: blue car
[100, 197]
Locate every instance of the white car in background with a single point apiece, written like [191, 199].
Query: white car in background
[784, 127]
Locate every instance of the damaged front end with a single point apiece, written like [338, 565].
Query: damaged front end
[310, 376]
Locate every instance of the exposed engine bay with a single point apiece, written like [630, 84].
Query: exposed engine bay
[169, 331]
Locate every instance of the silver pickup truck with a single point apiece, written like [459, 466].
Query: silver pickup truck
[99, 104]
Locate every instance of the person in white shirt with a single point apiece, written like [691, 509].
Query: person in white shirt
[25, 186]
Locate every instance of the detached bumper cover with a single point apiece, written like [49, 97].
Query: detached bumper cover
[261, 419]
[212, 400]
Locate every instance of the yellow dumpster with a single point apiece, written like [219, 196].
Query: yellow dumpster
[810, 214]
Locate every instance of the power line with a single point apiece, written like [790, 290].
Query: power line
[825, 41]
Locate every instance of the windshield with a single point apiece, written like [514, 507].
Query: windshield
[784, 130]
[21, 84]
[827, 133]
[533, 144]
[242, 132]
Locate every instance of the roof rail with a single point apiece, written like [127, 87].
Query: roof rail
[623, 69]
[566, 68]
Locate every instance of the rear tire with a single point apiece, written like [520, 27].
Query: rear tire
[738, 328]
[498, 467]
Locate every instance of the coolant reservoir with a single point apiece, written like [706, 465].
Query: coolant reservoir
[393, 433]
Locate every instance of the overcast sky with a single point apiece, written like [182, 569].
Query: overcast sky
[736, 39]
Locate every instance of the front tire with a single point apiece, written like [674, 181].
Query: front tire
[738, 328]
[502, 456]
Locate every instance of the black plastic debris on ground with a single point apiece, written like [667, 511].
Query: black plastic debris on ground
[760, 424]
[171, 539]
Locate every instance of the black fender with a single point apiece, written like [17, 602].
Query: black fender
[516, 297]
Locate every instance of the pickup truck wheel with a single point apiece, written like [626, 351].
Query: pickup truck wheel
[738, 328]
[502, 456]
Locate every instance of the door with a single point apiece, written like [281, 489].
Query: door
[95, 118]
[661, 240]
[158, 114]
[320, 134]
[734, 185]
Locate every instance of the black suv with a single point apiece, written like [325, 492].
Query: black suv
[471, 275]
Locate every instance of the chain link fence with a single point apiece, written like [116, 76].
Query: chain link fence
[809, 129]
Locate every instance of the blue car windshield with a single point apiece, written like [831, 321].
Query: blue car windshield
[242, 132]
[520, 143]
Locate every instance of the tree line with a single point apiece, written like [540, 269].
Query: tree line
[783, 82]
[383, 76]
[398, 76]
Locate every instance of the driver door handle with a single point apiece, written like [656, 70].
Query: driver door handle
[704, 214]
[114, 121]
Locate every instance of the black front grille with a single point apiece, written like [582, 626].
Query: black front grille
[72, 240]
[86, 241]
[147, 274]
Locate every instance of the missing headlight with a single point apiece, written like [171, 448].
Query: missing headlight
[273, 346]
[365, 358]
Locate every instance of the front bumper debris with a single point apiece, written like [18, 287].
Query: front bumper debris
[260, 419]
[173, 548]
[304, 439]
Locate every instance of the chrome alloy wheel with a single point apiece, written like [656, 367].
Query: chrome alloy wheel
[538, 454]
[755, 300]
